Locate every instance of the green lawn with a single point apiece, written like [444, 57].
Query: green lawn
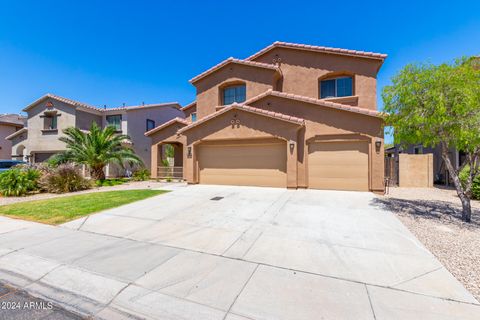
[60, 210]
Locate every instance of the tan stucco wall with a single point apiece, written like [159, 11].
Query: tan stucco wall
[188, 112]
[323, 123]
[257, 81]
[137, 125]
[40, 141]
[19, 145]
[301, 71]
[84, 119]
[252, 127]
[415, 170]
[6, 145]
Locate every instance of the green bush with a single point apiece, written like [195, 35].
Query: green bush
[64, 178]
[141, 175]
[19, 181]
[475, 185]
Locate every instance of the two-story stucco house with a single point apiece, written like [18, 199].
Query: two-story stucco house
[291, 115]
[49, 115]
[9, 124]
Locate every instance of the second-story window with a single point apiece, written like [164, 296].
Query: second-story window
[338, 87]
[194, 116]
[115, 121]
[233, 94]
[150, 124]
[50, 122]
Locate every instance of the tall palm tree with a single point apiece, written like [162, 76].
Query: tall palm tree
[96, 148]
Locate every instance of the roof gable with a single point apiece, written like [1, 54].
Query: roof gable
[242, 107]
[166, 124]
[319, 102]
[338, 51]
[236, 61]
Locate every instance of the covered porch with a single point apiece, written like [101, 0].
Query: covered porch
[168, 162]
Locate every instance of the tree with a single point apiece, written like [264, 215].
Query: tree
[96, 149]
[439, 105]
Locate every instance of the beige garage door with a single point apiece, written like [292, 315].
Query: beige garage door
[258, 164]
[338, 166]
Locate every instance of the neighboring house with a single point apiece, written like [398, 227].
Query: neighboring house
[50, 115]
[291, 115]
[440, 172]
[9, 124]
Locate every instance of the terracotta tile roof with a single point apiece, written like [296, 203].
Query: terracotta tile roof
[16, 133]
[13, 120]
[233, 60]
[320, 102]
[93, 108]
[166, 124]
[271, 114]
[188, 106]
[357, 53]
[61, 99]
[153, 105]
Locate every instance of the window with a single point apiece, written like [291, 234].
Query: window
[115, 121]
[194, 116]
[50, 122]
[339, 87]
[234, 94]
[150, 124]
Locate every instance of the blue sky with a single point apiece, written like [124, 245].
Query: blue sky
[114, 52]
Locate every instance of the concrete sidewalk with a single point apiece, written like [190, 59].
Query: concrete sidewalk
[256, 253]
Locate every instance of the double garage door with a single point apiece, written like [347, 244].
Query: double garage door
[331, 165]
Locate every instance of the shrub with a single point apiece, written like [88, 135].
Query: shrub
[64, 178]
[19, 181]
[475, 185]
[141, 175]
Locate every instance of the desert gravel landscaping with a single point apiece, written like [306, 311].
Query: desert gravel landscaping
[433, 215]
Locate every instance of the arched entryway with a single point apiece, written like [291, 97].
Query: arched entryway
[20, 153]
[170, 161]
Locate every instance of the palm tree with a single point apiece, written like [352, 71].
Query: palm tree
[96, 149]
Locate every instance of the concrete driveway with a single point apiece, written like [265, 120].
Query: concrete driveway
[235, 253]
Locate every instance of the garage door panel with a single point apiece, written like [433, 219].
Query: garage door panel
[245, 165]
[338, 166]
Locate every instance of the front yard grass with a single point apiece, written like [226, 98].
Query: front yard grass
[60, 210]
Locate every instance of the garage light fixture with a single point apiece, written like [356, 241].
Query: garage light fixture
[378, 144]
[292, 146]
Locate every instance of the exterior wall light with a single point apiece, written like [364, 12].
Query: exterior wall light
[292, 146]
[378, 144]
[189, 152]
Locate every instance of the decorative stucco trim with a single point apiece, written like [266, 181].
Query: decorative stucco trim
[188, 106]
[166, 124]
[236, 61]
[16, 133]
[235, 106]
[339, 51]
[319, 102]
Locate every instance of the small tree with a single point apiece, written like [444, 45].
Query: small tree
[96, 149]
[439, 105]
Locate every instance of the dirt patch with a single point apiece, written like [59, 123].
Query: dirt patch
[433, 215]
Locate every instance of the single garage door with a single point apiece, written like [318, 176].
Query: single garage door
[338, 165]
[254, 164]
